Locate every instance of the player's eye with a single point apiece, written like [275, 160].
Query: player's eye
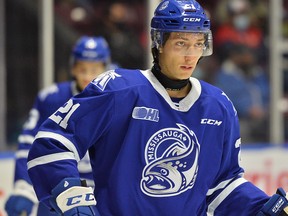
[199, 45]
[180, 43]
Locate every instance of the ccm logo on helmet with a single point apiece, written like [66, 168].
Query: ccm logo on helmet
[186, 19]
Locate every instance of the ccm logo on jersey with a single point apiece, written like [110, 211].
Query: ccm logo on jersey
[211, 122]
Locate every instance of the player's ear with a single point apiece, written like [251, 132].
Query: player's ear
[160, 50]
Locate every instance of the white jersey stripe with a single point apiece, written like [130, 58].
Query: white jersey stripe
[219, 186]
[66, 142]
[219, 199]
[28, 139]
[22, 154]
[84, 167]
[50, 158]
[23, 188]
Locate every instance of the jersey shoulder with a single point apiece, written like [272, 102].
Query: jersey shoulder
[56, 92]
[216, 96]
[210, 90]
[118, 79]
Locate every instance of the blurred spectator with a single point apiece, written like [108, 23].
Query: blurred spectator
[207, 69]
[239, 27]
[122, 37]
[246, 84]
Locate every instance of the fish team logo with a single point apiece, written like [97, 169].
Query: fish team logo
[171, 157]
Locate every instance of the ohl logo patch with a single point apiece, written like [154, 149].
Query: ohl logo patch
[171, 156]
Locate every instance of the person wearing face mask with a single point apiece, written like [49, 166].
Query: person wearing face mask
[241, 21]
[239, 28]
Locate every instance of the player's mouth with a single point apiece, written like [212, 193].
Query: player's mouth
[186, 67]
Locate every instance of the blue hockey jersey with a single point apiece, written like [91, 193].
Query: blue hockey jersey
[47, 102]
[150, 155]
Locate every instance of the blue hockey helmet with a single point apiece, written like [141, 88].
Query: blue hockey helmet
[91, 49]
[180, 16]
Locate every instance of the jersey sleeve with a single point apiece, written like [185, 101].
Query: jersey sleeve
[64, 138]
[40, 110]
[22, 182]
[232, 194]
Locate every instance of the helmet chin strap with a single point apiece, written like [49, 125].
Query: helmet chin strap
[169, 84]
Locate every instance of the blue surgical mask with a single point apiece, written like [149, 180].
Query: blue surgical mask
[241, 22]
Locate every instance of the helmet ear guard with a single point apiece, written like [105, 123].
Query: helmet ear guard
[208, 49]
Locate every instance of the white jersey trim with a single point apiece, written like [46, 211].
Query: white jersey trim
[26, 139]
[219, 199]
[22, 154]
[50, 158]
[84, 165]
[186, 103]
[67, 143]
[23, 188]
[219, 186]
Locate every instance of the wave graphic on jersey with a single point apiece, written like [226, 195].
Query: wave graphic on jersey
[171, 156]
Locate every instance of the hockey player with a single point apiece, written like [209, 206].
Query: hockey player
[90, 57]
[160, 142]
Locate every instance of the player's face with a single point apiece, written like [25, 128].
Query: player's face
[85, 71]
[180, 54]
